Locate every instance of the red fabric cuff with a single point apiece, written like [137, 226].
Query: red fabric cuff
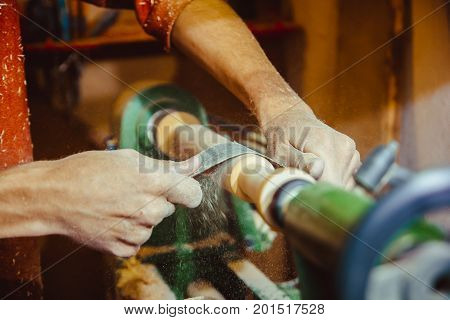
[158, 17]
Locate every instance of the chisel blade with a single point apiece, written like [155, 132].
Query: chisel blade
[223, 152]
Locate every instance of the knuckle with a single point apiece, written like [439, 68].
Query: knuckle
[281, 153]
[351, 145]
[274, 142]
[345, 143]
[140, 213]
[124, 227]
[274, 133]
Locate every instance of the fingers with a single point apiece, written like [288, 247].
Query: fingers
[155, 211]
[337, 151]
[136, 238]
[308, 162]
[141, 192]
[123, 250]
[130, 232]
[176, 188]
[120, 247]
[355, 163]
[134, 230]
[183, 190]
[176, 185]
[343, 161]
[312, 164]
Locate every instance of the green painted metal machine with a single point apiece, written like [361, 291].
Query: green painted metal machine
[338, 237]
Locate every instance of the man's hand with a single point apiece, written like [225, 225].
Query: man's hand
[107, 200]
[297, 138]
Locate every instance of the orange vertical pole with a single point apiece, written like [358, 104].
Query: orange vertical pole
[19, 258]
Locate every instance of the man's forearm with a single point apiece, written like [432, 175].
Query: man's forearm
[20, 214]
[211, 32]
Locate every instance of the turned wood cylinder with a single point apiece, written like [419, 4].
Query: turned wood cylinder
[250, 177]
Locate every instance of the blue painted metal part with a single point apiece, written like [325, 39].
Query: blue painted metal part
[424, 192]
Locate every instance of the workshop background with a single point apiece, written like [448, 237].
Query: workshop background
[376, 70]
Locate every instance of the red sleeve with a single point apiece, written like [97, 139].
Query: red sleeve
[158, 17]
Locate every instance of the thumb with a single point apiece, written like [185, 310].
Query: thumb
[187, 167]
[308, 162]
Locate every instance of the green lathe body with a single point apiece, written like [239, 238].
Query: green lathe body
[319, 218]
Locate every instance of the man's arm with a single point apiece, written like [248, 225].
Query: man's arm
[19, 213]
[98, 198]
[211, 33]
